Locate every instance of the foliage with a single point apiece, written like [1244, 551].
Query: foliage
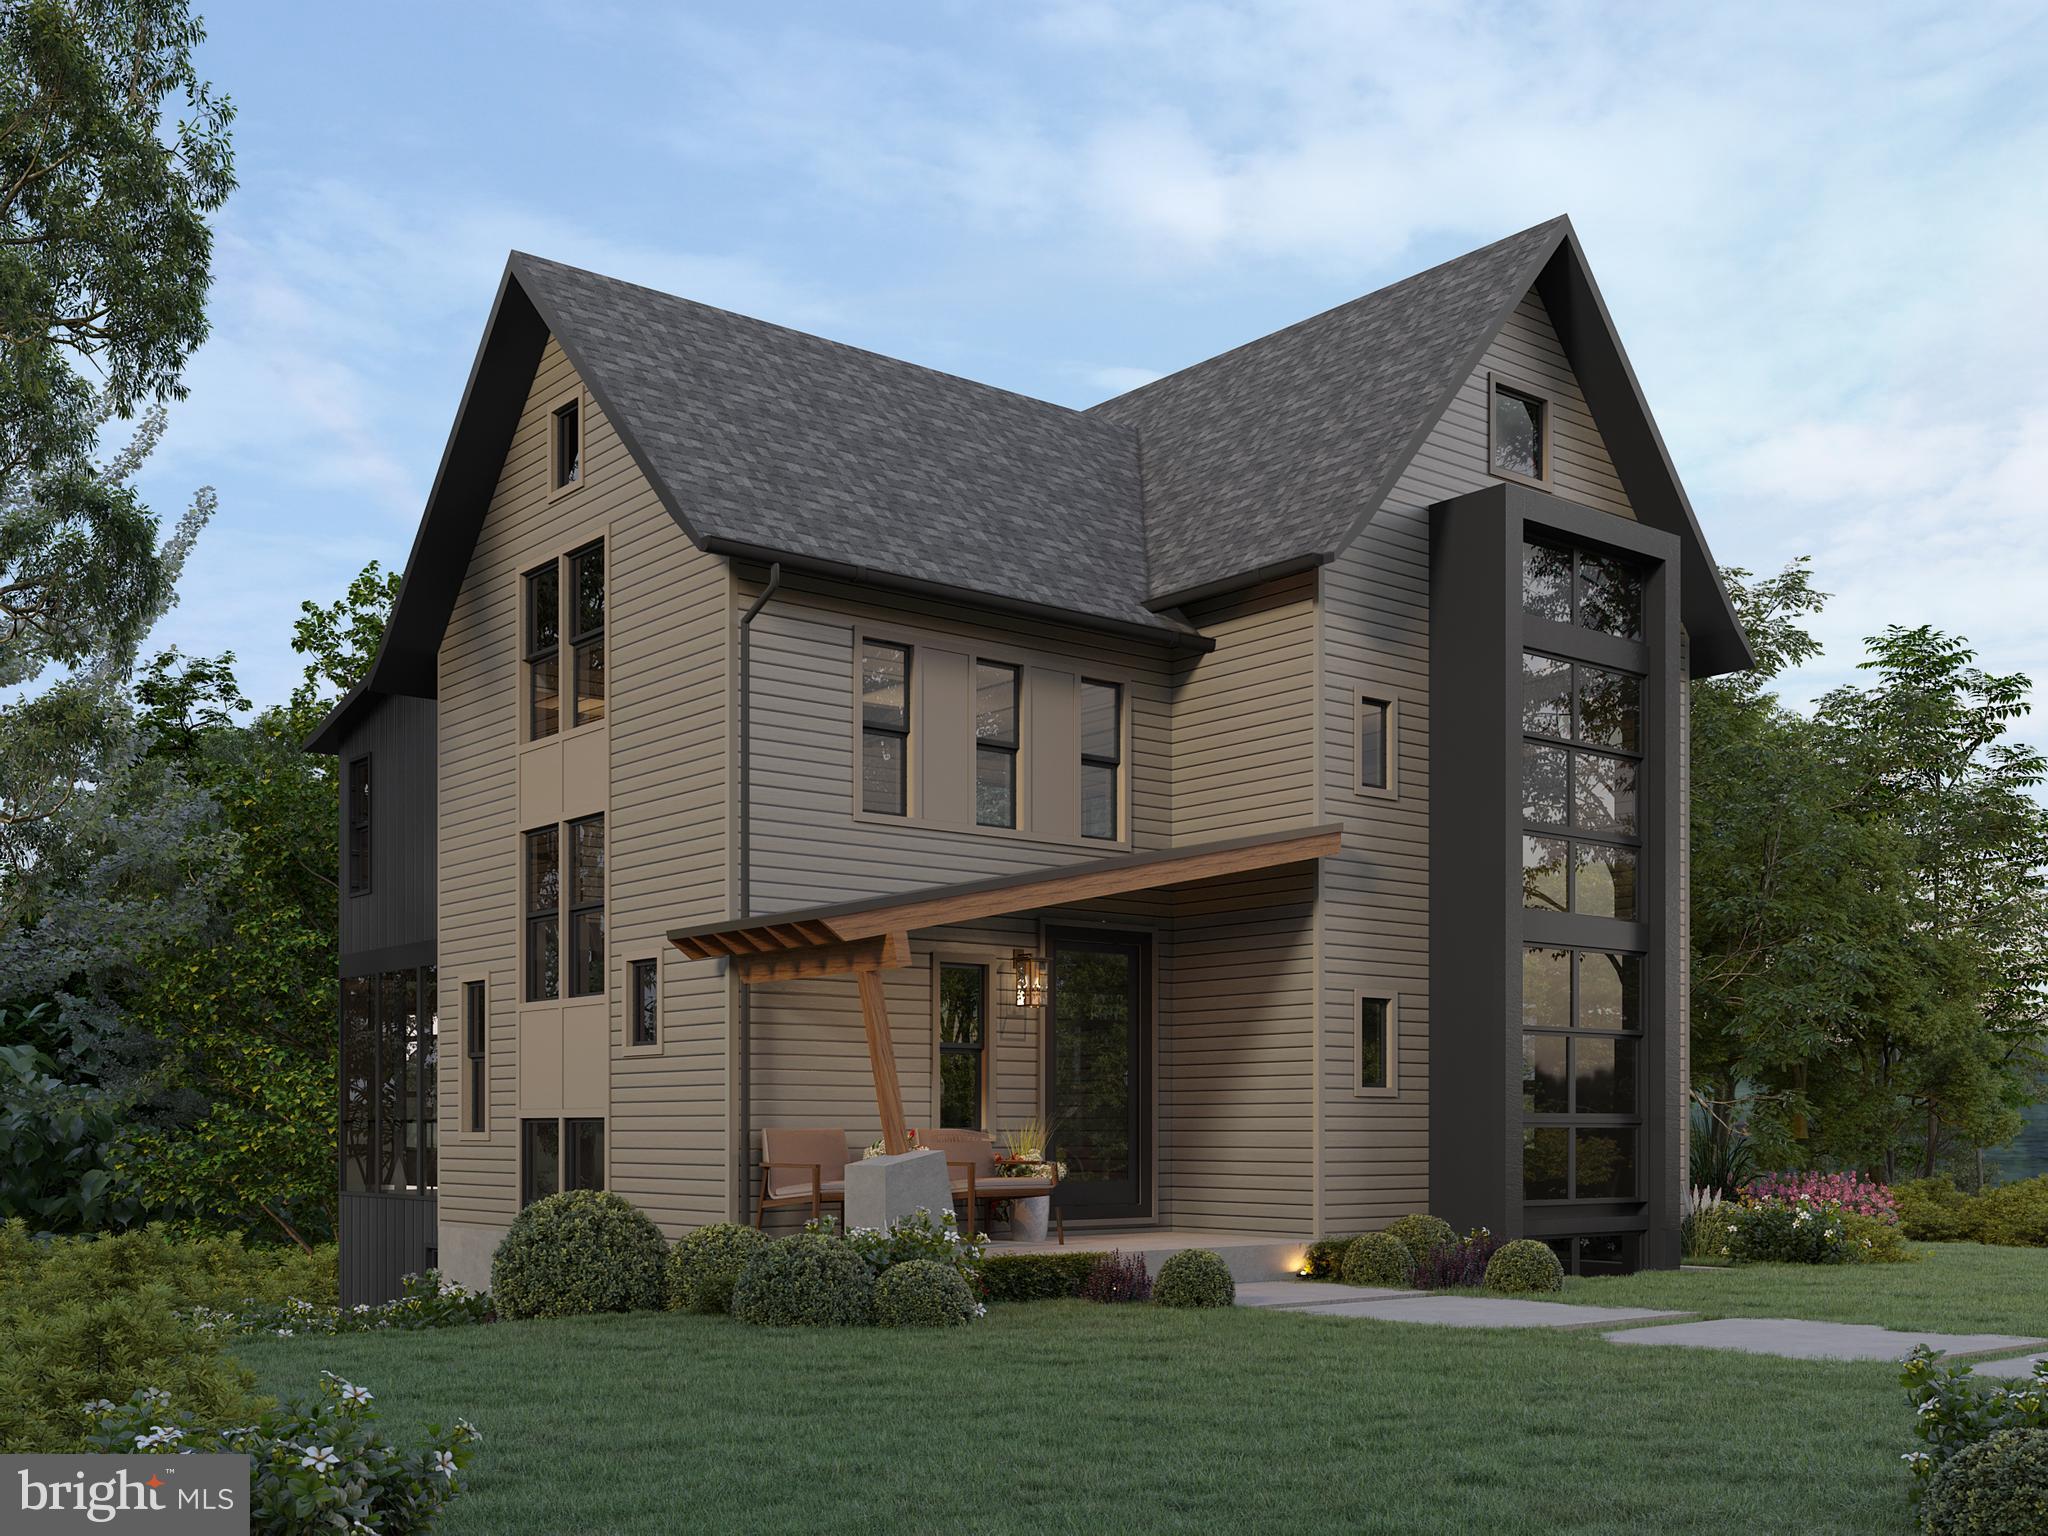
[1952, 1410]
[198, 1269]
[704, 1266]
[1194, 1277]
[810, 1280]
[1873, 1240]
[1324, 1259]
[1036, 1276]
[2007, 1215]
[584, 1250]
[924, 1293]
[1784, 1232]
[1699, 1211]
[1118, 1277]
[427, 1300]
[910, 1238]
[1522, 1267]
[55, 1142]
[1720, 1157]
[1460, 1262]
[1934, 1210]
[1377, 1258]
[340, 639]
[318, 1464]
[1994, 1488]
[1856, 1196]
[1420, 1234]
[1024, 1147]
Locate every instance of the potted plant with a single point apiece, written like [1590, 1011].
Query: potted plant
[1023, 1157]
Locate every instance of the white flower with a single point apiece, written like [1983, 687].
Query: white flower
[444, 1464]
[470, 1430]
[99, 1407]
[1914, 1458]
[158, 1435]
[319, 1458]
[282, 1333]
[156, 1397]
[350, 1393]
[1932, 1405]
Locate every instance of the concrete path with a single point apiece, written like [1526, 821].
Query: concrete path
[2022, 1367]
[1485, 1312]
[1292, 1295]
[1794, 1339]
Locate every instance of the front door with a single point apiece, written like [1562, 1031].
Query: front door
[1099, 1090]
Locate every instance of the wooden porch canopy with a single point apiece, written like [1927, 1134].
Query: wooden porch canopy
[868, 937]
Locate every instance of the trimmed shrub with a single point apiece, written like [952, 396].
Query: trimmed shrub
[1377, 1258]
[1325, 1258]
[705, 1265]
[1194, 1277]
[1036, 1276]
[1934, 1210]
[587, 1250]
[1421, 1234]
[806, 1281]
[1118, 1277]
[1869, 1240]
[1782, 1232]
[924, 1293]
[1524, 1267]
[2013, 1215]
[1997, 1487]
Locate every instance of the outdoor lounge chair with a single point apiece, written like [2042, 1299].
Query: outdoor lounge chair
[805, 1166]
[971, 1160]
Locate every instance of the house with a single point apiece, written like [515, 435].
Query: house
[1274, 775]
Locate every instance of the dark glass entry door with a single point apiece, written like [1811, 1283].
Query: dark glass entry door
[1099, 1089]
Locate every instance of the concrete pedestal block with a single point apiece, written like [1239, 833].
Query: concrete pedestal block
[880, 1191]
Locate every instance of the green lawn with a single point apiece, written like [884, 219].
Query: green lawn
[1956, 1288]
[1062, 1416]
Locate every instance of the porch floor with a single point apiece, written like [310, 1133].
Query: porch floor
[1251, 1256]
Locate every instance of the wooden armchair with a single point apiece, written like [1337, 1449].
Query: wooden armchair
[805, 1166]
[971, 1161]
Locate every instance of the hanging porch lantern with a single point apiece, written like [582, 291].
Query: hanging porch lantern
[1030, 972]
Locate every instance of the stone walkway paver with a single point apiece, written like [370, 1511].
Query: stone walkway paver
[2022, 1366]
[1485, 1312]
[1795, 1339]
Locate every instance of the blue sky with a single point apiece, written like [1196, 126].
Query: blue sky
[1820, 230]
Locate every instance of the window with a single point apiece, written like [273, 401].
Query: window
[475, 1072]
[567, 455]
[543, 886]
[540, 1159]
[584, 1141]
[1519, 439]
[645, 1000]
[586, 907]
[586, 632]
[389, 1040]
[1592, 591]
[1375, 743]
[1101, 757]
[1582, 1034]
[963, 1037]
[1582, 761]
[995, 745]
[1376, 1016]
[543, 651]
[885, 728]
[358, 826]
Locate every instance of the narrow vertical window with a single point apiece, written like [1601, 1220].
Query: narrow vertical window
[1375, 744]
[963, 1036]
[430, 1078]
[1101, 757]
[397, 1081]
[543, 915]
[645, 998]
[475, 1072]
[540, 1159]
[586, 631]
[544, 651]
[358, 826]
[885, 728]
[568, 455]
[586, 907]
[583, 1144]
[995, 745]
[1375, 1043]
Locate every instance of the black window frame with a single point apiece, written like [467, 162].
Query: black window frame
[1575, 580]
[1571, 1119]
[536, 654]
[388, 1100]
[643, 1003]
[476, 1086]
[530, 1127]
[581, 641]
[999, 749]
[1371, 706]
[357, 792]
[577, 1171]
[1113, 761]
[1497, 386]
[978, 1050]
[539, 919]
[565, 449]
[869, 729]
[1388, 1005]
[1579, 836]
[585, 973]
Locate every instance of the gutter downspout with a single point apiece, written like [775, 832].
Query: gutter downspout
[744, 1137]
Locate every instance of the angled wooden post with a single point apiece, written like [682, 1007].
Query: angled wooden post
[874, 1013]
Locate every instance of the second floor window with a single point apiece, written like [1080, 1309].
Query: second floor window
[586, 630]
[586, 907]
[644, 998]
[358, 826]
[885, 728]
[543, 884]
[1101, 757]
[543, 651]
[553, 607]
[995, 745]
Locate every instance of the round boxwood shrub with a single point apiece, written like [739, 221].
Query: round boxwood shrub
[1997, 1487]
[1377, 1258]
[922, 1293]
[1421, 1235]
[806, 1281]
[705, 1266]
[1523, 1266]
[584, 1251]
[1194, 1277]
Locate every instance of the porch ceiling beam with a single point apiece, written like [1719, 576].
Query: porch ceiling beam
[882, 952]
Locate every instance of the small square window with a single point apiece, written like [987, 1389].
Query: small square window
[1520, 432]
[568, 445]
[1376, 1067]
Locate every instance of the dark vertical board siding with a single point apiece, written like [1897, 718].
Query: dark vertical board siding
[384, 1238]
[398, 908]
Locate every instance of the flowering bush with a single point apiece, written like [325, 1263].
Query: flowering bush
[319, 1465]
[916, 1236]
[1118, 1277]
[425, 1301]
[1857, 1196]
[881, 1148]
[1952, 1410]
[1795, 1231]
[1461, 1261]
[1024, 1153]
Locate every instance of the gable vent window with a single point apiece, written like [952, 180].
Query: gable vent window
[1520, 434]
[359, 826]
[885, 728]
[1101, 757]
[568, 445]
[995, 745]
